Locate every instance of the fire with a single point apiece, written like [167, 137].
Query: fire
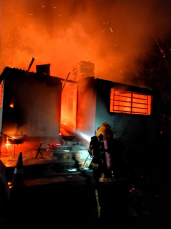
[7, 144]
[10, 184]
[12, 105]
[68, 106]
[62, 34]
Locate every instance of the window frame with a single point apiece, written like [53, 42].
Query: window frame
[131, 98]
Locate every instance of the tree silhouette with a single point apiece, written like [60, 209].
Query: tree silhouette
[157, 71]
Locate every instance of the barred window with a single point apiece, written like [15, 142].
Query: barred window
[1, 93]
[122, 101]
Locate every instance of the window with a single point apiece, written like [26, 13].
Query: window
[1, 93]
[129, 102]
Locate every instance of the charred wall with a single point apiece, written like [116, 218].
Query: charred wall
[36, 103]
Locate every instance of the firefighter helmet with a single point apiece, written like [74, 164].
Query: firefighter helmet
[104, 130]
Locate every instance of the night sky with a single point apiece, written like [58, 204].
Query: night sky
[116, 35]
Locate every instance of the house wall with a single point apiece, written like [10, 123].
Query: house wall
[139, 132]
[36, 111]
[86, 107]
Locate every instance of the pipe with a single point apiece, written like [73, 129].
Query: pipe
[30, 64]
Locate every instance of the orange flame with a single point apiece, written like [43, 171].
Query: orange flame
[7, 144]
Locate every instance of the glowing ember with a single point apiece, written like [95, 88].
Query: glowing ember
[10, 184]
[12, 105]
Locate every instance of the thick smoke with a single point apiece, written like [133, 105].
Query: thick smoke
[117, 36]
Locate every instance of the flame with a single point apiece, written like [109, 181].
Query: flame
[12, 105]
[7, 144]
[68, 106]
[10, 184]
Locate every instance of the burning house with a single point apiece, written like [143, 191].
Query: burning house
[30, 110]
[34, 105]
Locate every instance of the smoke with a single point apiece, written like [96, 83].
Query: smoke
[116, 35]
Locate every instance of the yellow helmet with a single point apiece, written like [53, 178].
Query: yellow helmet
[105, 130]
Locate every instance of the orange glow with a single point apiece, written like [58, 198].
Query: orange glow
[12, 105]
[111, 37]
[129, 102]
[7, 144]
[68, 106]
[10, 184]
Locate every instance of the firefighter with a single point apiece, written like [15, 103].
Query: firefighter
[107, 154]
[108, 167]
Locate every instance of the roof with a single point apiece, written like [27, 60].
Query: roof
[12, 72]
[109, 84]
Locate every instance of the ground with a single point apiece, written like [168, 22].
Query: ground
[68, 201]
